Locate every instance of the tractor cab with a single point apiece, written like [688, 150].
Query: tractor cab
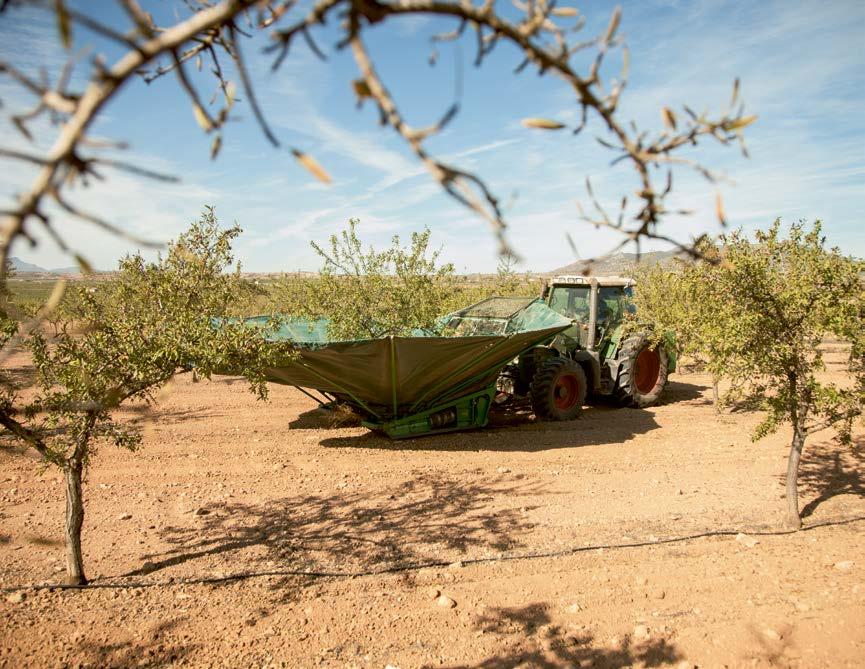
[596, 305]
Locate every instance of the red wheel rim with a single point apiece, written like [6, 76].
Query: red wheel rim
[648, 369]
[566, 392]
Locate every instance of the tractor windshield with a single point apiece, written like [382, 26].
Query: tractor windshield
[612, 304]
[571, 302]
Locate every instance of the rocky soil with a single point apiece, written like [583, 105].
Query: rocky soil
[249, 534]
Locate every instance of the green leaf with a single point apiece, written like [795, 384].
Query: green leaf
[312, 166]
[64, 23]
[542, 124]
[83, 263]
[215, 146]
[668, 117]
[202, 118]
[740, 123]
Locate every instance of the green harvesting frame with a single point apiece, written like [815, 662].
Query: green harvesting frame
[422, 384]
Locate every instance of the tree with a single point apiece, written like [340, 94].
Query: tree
[676, 299]
[759, 318]
[368, 293]
[508, 283]
[153, 321]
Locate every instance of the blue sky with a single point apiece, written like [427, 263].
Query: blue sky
[802, 67]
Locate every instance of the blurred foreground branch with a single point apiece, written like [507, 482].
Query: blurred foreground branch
[541, 34]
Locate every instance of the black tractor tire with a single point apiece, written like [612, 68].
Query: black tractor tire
[642, 372]
[558, 389]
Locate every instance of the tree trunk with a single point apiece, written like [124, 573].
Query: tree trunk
[793, 518]
[716, 398]
[74, 521]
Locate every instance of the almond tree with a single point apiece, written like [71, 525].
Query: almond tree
[677, 299]
[765, 311]
[153, 321]
[366, 293]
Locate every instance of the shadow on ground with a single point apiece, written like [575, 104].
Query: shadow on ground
[429, 518]
[21, 375]
[534, 641]
[321, 418]
[829, 470]
[517, 432]
[679, 391]
[515, 429]
[156, 648]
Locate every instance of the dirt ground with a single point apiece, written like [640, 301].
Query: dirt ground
[249, 534]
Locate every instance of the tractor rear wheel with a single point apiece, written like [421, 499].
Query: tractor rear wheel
[642, 372]
[558, 390]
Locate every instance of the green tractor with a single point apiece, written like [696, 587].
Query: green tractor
[592, 358]
[556, 350]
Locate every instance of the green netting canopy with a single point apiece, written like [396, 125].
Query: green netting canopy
[399, 376]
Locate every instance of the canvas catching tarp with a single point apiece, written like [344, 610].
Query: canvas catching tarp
[395, 376]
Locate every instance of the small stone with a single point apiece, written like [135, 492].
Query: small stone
[844, 565]
[503, 470]
[745, 540]
[434, 593]
[660, 594]
[641, 632]
[201, 512]
[680, 492]
[446, 602]
[574, 608]
[124, 516]
[15, 598]
[684, 664]
[456, 565]
[769, 633]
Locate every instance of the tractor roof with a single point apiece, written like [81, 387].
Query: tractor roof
[588, 280]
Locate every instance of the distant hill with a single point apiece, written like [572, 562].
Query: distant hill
[74, 269]
[618, 263]
[22, 267]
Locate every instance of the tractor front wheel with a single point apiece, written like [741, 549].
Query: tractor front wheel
[642, 372]
[558, 390]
